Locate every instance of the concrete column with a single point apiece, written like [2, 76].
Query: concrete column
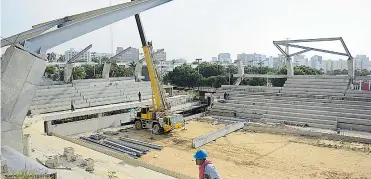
[290, 69]
[240, 73]
[68, 73]
[48, 128]
[360, 85]
[138, 71]
[21, 73]
[369, 85]
[26, 145]
[106, 70]
[351, 68]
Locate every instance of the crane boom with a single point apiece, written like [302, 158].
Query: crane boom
[159, 98]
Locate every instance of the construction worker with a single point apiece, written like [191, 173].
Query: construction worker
[140, 97]
[206, 169]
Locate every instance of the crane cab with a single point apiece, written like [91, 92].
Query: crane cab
[159, 122]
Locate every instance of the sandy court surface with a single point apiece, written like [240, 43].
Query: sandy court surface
[256, 155]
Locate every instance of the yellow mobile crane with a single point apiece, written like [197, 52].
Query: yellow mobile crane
[158, 117]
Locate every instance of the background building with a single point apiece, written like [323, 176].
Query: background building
[362, 62]
[224, 58]
[253, 59]
[131, 55]
[85, 57]
[299, 60]
[316, 62]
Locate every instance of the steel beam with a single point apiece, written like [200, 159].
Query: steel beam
[79, 54]
[42, 43]
[298, 53]
[281, 50]
[200, 141]
[118, 54]
[345, 47]
[29, 34]
[316, 49]
[308, 40]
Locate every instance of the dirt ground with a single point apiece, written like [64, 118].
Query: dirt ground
[256, 155]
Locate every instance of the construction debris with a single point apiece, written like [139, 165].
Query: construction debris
[200, 141]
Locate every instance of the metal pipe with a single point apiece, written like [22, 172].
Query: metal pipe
[131, 145]
[108, 146]
[154, 146]
[122, 147]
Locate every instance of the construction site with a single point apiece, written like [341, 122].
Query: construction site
[312, 127]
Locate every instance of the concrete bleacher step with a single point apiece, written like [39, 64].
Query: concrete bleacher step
[55, 100]
[317, 83]
[48, 97]
[308, 99]
[300, 106]
[313, 90]
[366, 128]
[300, 119]
[278, 102]
[266, 109]
[51, 105]
[288, 85]
[299, 93]
[54, 86]
[291, 121]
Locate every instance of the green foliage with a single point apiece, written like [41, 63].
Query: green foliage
[78, 73]
[183, 75]
[50, 70]
[118, 71]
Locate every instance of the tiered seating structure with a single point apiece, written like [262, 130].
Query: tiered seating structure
[313, 101]
[88, 93]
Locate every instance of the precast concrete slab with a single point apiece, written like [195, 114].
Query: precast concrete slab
[102, 95]
[202, 140]
[366, 128]
[21, 72]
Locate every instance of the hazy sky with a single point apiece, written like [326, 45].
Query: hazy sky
[203, 28]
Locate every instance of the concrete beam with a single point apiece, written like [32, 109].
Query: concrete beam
[200, 141]
[106, 70]
[21, 72]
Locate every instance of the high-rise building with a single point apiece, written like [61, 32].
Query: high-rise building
[160, 56]
[279, 62]
[299, 60]
[253, 59]
[131, 55]
[224, 58]
[362, 62]
[214, 59]
[85, 57]
[316, 62]
[328, 65]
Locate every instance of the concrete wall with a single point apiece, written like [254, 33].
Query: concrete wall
[94, 124]
[21, 72]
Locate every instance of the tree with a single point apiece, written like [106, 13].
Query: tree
[78, 73]
[90, 71]
[184, 76]
[50, 70]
